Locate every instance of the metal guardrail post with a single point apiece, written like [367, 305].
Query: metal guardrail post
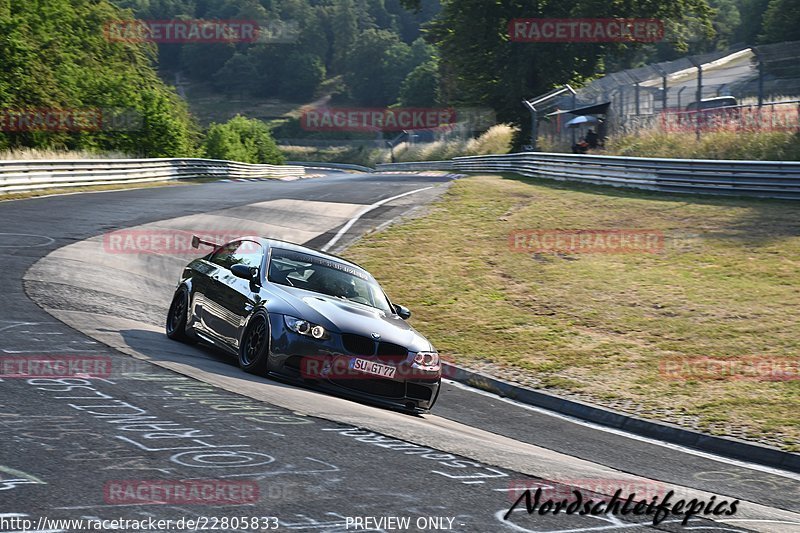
[531, 106]
[534, 121]
[664, 86]
[574, 105]
[760, 61]
[699, 95]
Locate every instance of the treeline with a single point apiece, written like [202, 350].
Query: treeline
[373, 47]
[63, 85]
[55, 55]
[479, 66]
[730, 23]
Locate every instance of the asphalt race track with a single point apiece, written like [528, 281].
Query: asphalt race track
[314, 462]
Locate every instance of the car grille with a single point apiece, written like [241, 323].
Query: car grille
[387, 348]
[375, 387]
[392, 354]
[358, 345]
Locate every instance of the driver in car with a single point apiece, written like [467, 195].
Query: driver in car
[337, 285]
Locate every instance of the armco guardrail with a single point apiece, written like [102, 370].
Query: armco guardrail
[768, 179]
[331, 166]
[416, 165]
[18, 176]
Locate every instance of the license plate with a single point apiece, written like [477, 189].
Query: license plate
[376, 369]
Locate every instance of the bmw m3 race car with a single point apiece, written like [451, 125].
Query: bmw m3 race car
[291, 311]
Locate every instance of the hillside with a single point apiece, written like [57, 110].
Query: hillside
[64, 85]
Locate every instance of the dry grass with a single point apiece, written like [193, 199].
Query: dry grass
[753, 100]
[24, 154]
[354, 155]
[496, 140]
[597, 326]
[764, 146]
[91, 188]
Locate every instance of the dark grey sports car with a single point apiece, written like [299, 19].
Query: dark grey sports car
[288, 310]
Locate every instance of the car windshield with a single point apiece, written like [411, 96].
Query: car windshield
[325, 276]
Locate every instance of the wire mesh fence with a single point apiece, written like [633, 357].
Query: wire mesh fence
[747, 89]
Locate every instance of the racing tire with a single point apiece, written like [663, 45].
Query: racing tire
[176, 317]
[254, 348]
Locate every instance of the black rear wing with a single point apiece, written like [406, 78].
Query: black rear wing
[197, 241]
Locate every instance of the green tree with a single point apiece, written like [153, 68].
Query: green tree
[344, 29]
[481, 67]
[726, 21]
[162, 133]
[376, 66]
[328, 31]
[421, 52]
[307, 72]
[752, 17]
[242, 139]
[421, 86]
[201, 61]
[268, 61]
[237, 77]
[781, 22]
[56, 54]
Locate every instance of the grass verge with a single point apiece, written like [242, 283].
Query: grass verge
[600, 327]
[756, 146]
[93, 188]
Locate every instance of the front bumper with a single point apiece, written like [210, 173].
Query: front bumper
[328, 364]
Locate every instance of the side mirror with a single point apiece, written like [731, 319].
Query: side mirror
[402, 312]
[245, 272]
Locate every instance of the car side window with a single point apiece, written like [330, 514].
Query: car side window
[248, 253]
[222, 257]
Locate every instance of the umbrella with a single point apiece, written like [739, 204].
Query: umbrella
[581, 121]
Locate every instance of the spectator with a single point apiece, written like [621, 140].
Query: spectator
[580, 147]
[592, 138]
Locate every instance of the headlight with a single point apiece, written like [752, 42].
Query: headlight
[427, 359]
[318, 332]
[304, 327]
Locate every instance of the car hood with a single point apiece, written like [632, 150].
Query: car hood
[346, 317]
